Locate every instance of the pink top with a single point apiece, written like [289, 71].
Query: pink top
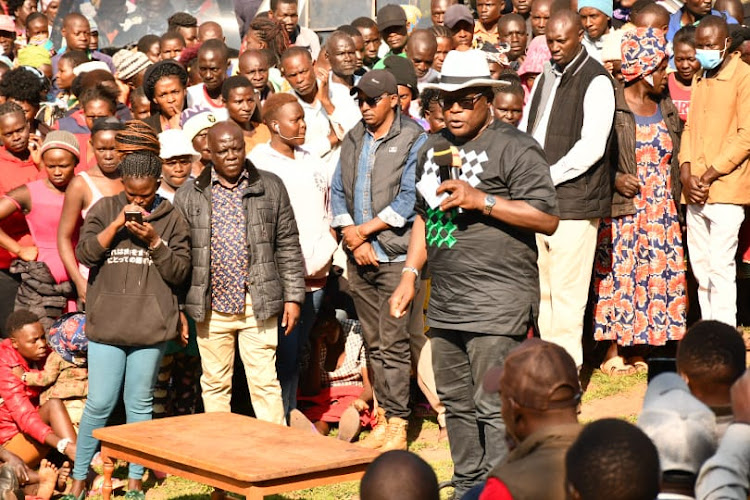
[680, 97]
[43, 219]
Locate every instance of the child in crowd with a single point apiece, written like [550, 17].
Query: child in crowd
[65, 373]
[140, 106]
[711, 357]
[430, 110]
[507, 105]
[335, 386]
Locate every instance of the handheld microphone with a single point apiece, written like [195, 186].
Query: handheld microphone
[448, 161]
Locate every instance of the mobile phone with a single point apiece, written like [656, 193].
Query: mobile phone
[134, 217]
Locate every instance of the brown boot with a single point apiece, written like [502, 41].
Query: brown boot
[395, 435]
[377, 436]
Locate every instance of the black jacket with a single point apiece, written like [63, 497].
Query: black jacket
[131, 299]
[275, 267]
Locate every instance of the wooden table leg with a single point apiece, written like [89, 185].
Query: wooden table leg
[109, 468]
[254, 493]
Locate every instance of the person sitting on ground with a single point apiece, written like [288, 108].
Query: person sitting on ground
[336, 385]
[612, 460]
[65, 375]
[507, 105]
[725, 475]
[683, 430]
[25, 426]
[242, 106]
[540, 393]
[399, 474]
[711, 357]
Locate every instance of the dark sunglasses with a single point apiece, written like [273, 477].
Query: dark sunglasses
[370, 101]
[467, 102]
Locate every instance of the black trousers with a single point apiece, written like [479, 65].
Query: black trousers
[386, 338]
[8, 287]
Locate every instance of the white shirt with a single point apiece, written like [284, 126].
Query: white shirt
[309, 39]
[308, 185]
[598, 115]
[198, 98]
[346, 112]
[316, 137]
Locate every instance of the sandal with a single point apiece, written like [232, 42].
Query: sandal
[616, 367]
[639, 363]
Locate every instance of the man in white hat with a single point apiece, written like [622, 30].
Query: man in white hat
[484, 298]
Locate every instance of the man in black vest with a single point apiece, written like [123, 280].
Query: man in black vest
[484, 295]
[372, 200]
[570, 114]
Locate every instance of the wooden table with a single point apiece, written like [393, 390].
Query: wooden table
[233, 452]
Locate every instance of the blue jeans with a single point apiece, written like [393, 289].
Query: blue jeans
[290, 348]
[109, 367]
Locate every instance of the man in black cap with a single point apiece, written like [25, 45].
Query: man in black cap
[372, 200]
[484, 296]
[406, 79]
[459, 20]
[392, 26]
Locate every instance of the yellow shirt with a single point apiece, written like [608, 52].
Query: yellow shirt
[717, 132]
[482, 35]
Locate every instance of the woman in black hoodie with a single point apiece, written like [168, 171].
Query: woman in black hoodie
[136, 270]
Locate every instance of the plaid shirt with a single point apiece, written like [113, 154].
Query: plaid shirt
[350, 371]
[229, 255]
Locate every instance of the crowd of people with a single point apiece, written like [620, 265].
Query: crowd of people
[298, 227]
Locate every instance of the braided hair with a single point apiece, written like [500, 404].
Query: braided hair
[273, 34]
[137, 137]
[140, 164]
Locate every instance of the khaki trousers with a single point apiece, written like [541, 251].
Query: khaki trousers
[566, 261]
[257, 342]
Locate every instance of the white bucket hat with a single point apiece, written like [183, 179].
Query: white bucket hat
[174, 142]
[465, 69]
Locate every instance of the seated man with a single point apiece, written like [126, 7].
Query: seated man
[683, 430]
[24, 424]
[711, 357]
[399, 474]
[540, 393]
[612, 460]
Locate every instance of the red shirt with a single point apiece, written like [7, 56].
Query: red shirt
[495, 489]
[14, 173]
[680, 97]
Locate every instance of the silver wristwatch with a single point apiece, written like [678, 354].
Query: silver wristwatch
[489, 204]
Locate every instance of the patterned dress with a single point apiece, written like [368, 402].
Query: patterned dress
[639, 272]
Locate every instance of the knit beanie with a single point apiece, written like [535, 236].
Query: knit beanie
[61, 139]
[604, 6]
[128, 63]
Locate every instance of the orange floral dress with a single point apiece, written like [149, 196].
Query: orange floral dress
[639, 272]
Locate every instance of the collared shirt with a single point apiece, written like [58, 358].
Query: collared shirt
[229, 257]
[316, 136]
[346, 113]
[593, 47]
[717, 131]
[397, 214]
[381, 63]
[481, 34]
[598, 115]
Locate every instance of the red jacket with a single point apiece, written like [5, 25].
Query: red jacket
[19, 407]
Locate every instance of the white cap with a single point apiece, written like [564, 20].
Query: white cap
[91, 66]
[175, 143]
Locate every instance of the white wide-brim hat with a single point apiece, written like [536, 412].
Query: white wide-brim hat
[465, 69]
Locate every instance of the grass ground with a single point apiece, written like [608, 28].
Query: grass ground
[605, 397]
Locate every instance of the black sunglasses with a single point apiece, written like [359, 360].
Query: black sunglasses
[370, 101]
[466, 102]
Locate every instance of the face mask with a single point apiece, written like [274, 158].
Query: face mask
[710, 58]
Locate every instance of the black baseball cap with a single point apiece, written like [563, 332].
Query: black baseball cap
[457, 13]
[391, 15]
[376, 83]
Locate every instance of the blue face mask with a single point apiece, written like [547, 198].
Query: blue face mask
[710, 58]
